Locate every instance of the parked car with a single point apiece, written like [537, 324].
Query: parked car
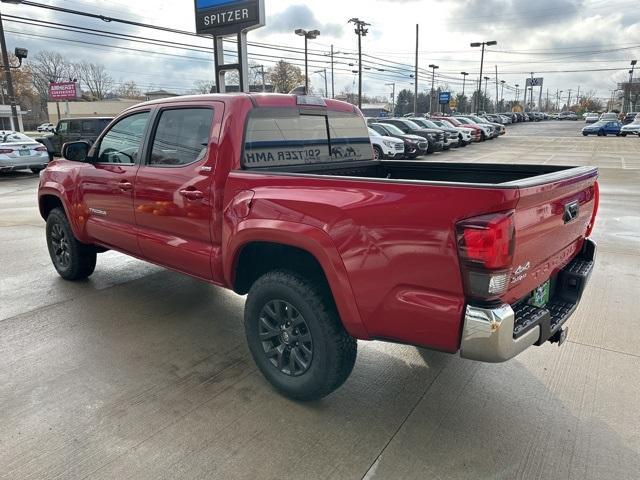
[630, 129]
[486, 131]
[450, 134]
[414, 145]
[476, 130]
[46, 127]
[497, 128]
[385, 147]
[465, 135]
[567, 116]
[433, 136]
[629, 117]
[610, 116]
[603, 128]
[19, 152]
[591, 118]
[72, 129]
[330, 245]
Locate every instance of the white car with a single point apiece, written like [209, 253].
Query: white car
[386, 147]
[609, 117]
[487, 130]
[19, 152]
[46, 127]
[631, 128]
[591, 118]
[465, 134]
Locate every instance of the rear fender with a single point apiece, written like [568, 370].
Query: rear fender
[305, 237]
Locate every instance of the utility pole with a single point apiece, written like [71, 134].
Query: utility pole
[502, 93]
[393, 96]
[496, 104]
[517, 92]
[415, 94]
[569, 101]
[464, 78]
[557, 100]
[633, 67]
[7, 76]
[361, 31]
[333, 83]
[484, 100]
[578, 97]
[481, 44]
[433, 81]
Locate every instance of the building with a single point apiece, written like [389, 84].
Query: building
[376, 110]
[159, 94]
[6, 121]
[102, 108]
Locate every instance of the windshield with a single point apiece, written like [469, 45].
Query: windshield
[430, 124]
[16, 138]
[412, 125]
[600, 124]
[464, 121]
[373, 133]
[393, 129]
[453, 121]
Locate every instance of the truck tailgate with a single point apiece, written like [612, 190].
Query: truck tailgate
[551, 221]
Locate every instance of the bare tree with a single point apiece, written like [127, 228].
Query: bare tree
[128, 89]
[95, 78]
[47, 67]
[203, 86]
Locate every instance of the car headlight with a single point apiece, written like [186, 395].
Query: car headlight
[388, 143]
[411, 142]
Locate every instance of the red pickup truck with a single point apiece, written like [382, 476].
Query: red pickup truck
[279, 197]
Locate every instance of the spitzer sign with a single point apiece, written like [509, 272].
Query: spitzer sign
[228, 17]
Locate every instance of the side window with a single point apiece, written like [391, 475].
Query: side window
[63, 127]
[182, 137]
[122, 143]
[88, 126]
[75, 126]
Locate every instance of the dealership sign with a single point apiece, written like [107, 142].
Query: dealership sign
[63, 91]
[228, 17]
[535, 82]
[444, 98]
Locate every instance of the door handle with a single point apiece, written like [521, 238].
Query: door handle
[192, 194]
[125, 186]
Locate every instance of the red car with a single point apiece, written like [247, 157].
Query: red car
[279, 197]
[477, 131]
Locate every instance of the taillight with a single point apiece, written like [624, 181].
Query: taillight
[485, 245]
[596, 205]
[41, 149]
[6, 150]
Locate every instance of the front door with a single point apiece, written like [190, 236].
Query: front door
[173, 200]
[107, 184]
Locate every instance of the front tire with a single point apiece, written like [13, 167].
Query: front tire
[36, 170]
[296, 337]
[72, 260]
[377, 153]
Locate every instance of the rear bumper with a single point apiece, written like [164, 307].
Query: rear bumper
[23, 166]
[498, 334]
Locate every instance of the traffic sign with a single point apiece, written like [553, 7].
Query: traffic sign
[444, 98]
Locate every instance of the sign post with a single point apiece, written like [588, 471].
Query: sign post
[534, 82]
[223, 18]
[444, 98]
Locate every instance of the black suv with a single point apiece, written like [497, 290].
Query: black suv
[629, 118]
[72, 129]
[434, 137]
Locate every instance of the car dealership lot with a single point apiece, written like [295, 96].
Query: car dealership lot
[140, 372]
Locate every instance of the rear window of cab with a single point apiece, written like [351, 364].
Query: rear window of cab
[279, 137]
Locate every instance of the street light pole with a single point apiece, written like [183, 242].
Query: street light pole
[360, 32]
[502, 92]
[484, 100]
[308, 35]
[7, 75]
[433, 81]
[464, 78]
[517, 92]
[481, 44]
[633, 66]
[393, 96]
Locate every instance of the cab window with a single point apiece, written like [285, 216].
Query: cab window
[181, 137]
[63, 127]
[121, 144]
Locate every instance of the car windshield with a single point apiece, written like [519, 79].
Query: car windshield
[16, 138]
[412, 125]
[441, 123]
[600, 124]
[373, 133]
[453, 121]
[393, 129]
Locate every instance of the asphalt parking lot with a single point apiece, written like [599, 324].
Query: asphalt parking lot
[143, 373]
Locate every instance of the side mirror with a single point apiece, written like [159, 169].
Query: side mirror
[76, 151]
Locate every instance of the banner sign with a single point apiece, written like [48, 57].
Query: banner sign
[444, 98]
[63, 91]
[228, 17]
[534, 82]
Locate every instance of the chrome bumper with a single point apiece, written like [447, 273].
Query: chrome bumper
[487, 335]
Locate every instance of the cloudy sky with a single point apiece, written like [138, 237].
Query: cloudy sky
[571, 43]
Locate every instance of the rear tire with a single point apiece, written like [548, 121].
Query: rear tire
[36, 170]
[72, 260]
[296, 337]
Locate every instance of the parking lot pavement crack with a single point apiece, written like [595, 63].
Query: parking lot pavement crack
[369, 474]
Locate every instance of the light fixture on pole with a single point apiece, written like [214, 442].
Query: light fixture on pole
[433, 81]
[484, 100]
[464, 79]
[502, 93]
[308, 35]
[633, 66]
[481, 44]
[517, 92]
[393, 95]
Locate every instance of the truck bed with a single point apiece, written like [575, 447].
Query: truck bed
[481, 174]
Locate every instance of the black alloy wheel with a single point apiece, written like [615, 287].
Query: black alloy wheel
[286, 338]
[60, 247]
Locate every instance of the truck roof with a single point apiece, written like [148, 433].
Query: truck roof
[258, 100]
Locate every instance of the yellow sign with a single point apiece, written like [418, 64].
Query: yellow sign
[517, 109]
[453, 103]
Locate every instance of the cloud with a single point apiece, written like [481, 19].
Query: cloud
[300, 16]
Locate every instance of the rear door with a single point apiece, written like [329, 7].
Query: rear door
[173, 196]
[551, 222]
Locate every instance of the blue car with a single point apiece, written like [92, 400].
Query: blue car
[603, 128]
